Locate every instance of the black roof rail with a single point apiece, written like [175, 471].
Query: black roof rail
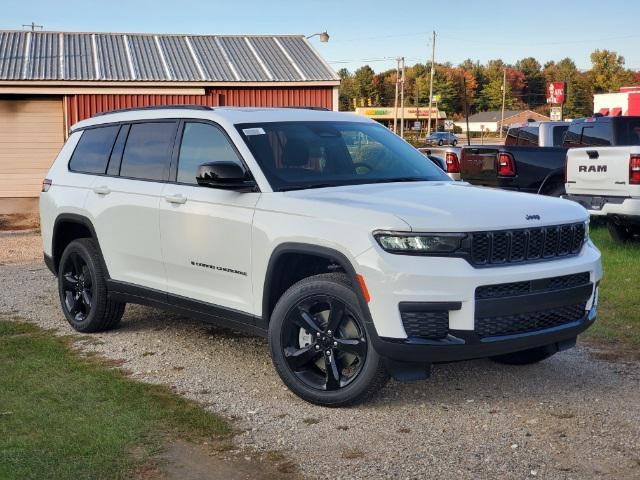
[155, 107]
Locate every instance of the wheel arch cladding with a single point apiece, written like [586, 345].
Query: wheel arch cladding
[291, 262]
[67, 228]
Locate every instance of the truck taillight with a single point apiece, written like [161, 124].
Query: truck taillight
[46, 184]
[634, 169]
[453, 164]
[506, 165]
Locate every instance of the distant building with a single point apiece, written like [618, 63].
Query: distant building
[385, 115]
[624, 102]
[490, 121]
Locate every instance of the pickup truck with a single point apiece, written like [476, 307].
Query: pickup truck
[606, 179]
[531, 160]
[448, 158]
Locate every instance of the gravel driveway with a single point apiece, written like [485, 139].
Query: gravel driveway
[572, 416]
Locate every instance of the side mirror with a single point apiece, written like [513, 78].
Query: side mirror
[224, 175]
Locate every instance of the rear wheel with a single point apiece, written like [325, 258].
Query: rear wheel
[454, 143]
[526, 357]
[83, 291]
[440, 143]
[319, 344]
[621, 233]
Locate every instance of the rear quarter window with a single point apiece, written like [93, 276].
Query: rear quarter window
[92, 152]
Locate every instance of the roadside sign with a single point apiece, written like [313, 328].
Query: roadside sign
[556, 114]
[555, 93]
[448, 124]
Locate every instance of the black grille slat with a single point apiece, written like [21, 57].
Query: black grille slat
[502, 290]
[528, 322]
[429, 325]
[532, 244]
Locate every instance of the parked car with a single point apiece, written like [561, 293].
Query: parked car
[322, 231]
[605, 179]
[531, 160]
[446, 158]
[442, 138]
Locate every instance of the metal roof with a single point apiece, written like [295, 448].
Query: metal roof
[68, 56]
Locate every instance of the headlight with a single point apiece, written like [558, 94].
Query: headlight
[419, 243]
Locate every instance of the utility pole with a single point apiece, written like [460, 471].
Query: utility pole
[433, 61]
[395, 102]
[504, 97]
[466, 106]
[402, 100]
[33, 26]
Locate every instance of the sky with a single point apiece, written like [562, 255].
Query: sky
[372, 32]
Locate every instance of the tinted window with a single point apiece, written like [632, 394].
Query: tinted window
[627, 131]
[558, 134]
[596, 134]
[146, 154]
[202, 143]
[92, 152]
[572, 136]
[528, 136]
[512, 136]
[296, 155]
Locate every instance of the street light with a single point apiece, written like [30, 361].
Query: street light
[324, 36]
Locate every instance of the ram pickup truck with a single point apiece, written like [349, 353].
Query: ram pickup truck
[606, 179]
[531, 160]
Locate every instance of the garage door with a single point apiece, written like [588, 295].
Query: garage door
[31, 135]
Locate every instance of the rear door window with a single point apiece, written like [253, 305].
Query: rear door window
[91, 155]
[148, 150]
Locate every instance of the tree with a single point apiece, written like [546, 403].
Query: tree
[363, 84]
[345, 91]
[608, 72]
[534, 90]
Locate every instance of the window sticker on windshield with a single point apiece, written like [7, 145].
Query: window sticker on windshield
[253, 131]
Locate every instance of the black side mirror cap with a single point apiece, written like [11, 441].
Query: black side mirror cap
[225, 175]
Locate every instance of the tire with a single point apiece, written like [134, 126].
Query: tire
[555, 190]
[526, 357]
[440, 143]
[83, 290]
[454, 143]
[620, 233]
[329, 368]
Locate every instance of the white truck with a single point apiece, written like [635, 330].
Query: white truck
[605, 177]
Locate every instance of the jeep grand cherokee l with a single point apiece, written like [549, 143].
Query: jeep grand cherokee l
[323, 232]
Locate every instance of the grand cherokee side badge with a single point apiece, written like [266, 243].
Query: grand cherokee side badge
[533, 217]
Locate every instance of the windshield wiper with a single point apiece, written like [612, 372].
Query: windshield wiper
[306, 186]
[398, 180]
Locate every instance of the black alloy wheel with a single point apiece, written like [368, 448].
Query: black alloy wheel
[77, 287]
[324, 345]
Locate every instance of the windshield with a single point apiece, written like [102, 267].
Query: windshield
[298, 155]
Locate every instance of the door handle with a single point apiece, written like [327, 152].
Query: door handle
[179, 199]
[102, 190]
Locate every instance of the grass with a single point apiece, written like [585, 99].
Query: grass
[66, 416]
[619, 306]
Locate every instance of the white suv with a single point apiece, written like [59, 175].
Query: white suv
[355, 255]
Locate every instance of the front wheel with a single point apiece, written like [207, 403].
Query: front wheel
[526, 357]
[454, 143]
[440, 143]
[319, 344]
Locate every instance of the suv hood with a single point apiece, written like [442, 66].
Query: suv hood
[449, 206]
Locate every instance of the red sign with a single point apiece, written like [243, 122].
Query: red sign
[555, 93]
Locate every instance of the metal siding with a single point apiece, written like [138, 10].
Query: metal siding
[78, 57]
[12, 46]
[146, 58]
[243, 59]
[179, 59]
[211, 58]
[306, 59]
[112, 57]
[44, 57]
[274, 59]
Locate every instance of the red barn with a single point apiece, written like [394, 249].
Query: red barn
[50, 80]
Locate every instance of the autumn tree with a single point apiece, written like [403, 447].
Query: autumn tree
[608, 72]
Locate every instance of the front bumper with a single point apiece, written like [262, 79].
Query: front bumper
[400, 279]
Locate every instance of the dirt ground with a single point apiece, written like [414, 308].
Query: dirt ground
[573, 416]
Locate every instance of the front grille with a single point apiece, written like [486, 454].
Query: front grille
[529, 286]
[428, 325]
[524, 245]
[528, 322]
